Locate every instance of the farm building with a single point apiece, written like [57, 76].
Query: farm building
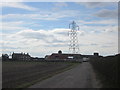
[21, 56]
[65, 56]
[61, 56]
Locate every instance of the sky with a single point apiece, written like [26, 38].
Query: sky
[41, 28]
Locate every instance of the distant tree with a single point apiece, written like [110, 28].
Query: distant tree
[5, 57]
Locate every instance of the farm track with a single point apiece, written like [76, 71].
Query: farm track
[81, 76]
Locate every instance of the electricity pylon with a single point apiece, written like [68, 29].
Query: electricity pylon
[74, 45]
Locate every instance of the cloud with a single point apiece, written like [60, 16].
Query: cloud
[18, 5]
[105, 13]
[12, 26]
[43, 15]
[101, 26]
[99, 22]
[46, 36]
[60, 4]
[61, 1]
[56, 15]
[42, 42]
[34, 41]
[13, 1]
[95, 4]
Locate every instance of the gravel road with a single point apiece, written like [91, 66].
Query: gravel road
[81, 76]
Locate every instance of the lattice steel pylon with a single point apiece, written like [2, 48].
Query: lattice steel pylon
[74, 45]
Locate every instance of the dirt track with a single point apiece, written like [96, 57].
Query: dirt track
[81, 76]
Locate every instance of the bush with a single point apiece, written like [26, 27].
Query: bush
[107, 69]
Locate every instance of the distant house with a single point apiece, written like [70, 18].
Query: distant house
[21, 56]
